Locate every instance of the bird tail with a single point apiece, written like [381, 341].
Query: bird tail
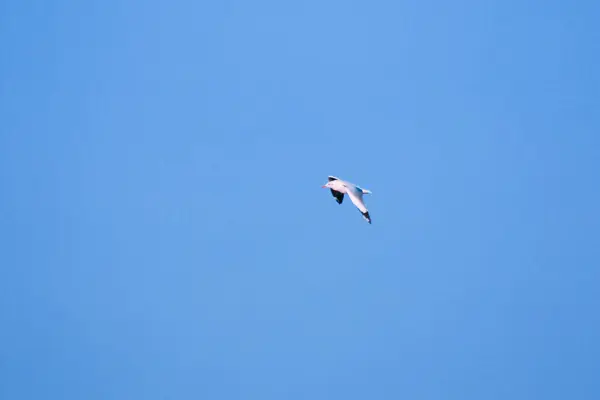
[365, 191]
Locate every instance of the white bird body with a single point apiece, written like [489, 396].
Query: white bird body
[340, 187]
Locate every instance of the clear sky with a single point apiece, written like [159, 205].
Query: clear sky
[164, 234]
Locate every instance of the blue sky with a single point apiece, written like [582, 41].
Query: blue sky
[165, 235]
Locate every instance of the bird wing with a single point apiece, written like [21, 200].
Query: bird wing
[356, 198]
[339, 196]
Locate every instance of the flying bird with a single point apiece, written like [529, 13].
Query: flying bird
[339, 188]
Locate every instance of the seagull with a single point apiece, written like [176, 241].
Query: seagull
[339, 188]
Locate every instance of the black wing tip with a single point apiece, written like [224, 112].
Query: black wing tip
[332, 178]
[367, 216]
[339, 196]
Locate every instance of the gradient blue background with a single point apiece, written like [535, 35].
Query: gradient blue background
[164, 234]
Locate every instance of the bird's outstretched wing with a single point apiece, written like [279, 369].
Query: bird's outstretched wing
[339, 196]
[356, 199]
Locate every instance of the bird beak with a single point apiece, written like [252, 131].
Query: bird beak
[323, 186]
